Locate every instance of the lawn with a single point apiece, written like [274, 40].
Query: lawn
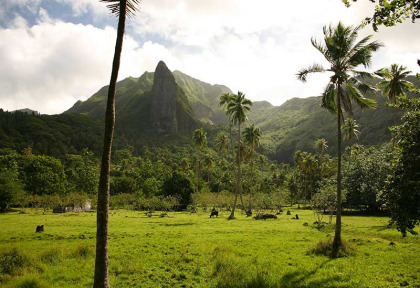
[192, 250]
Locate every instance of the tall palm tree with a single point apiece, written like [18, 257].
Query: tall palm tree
[121, 8]
[237, 110]
[343, 54]
[350, 129]
[200, 141]
[208, 164]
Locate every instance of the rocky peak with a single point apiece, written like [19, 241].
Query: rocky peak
[164, 101]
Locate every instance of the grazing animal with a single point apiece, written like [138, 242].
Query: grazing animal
[288, 212]
[39, 229]
[265, 216]
[297, 217]
[214, 213]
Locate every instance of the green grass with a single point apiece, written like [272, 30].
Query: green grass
[192, 250]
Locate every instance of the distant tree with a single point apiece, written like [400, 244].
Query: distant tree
[391, 12]
[179, 185]
[222, 143]
[321, 145]
[403, 192]
[208, 165]
[350, 129]
[123, 185]
[10, 187]
[344, 54]
[121, 8]
[200, 141]
[237, 109]
[252, 136]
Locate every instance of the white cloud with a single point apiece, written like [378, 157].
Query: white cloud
[253, 47]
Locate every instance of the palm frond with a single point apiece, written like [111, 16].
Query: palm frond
[114, 7]
[303, 73]
[328, 98]
[361, 101]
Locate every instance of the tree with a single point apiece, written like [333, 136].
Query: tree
[222, 143]
[403, 191]
[121, 8]
[344, 54]
[321, 145]
[200, 141]
[10, 187]
[350, 129]
[252, 137]
[237, 110]
[179, 185]
[208, 164]
[391, 12]
[393, 83]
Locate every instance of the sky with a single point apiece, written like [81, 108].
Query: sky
[53, 53]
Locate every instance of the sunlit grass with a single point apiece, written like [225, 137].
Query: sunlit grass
[192, 250]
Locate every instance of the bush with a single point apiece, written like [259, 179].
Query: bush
[325, 248]
[12, 261]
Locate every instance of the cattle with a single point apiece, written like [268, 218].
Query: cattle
[214, 213]
[39, 229]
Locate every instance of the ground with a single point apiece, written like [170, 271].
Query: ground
[192, 250]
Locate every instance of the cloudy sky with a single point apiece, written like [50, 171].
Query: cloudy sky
[53, 53]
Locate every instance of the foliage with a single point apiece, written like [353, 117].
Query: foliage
[403, 191]
[391, 12]
[10, 187]
[364, 176]
[180, 186]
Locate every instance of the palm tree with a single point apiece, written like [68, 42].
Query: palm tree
[252, 136]
[200, 141]
[222, 143]
[350, 129]
[208, 164]
[237, 110]
[343, 54]
[321, 144]
[393, 82]
[121, 8]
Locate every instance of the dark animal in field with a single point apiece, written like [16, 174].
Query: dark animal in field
[248, 213]
[265, 216]
[297, 217]
[214, 213]
[39, 228]
[288, 212]
[305, 224]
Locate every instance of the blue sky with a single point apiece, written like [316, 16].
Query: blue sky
[54, 53]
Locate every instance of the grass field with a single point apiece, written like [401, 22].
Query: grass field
[192, 250]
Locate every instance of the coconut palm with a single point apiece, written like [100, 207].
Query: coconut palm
[237, 110]
[321, 144]
[200, 141]
[252, 136]
[222, 143]
[343, 54]
[208, 163]
[120, 8]
[350, 129]
[393, 82]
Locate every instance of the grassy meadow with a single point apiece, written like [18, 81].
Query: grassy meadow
[192, 250]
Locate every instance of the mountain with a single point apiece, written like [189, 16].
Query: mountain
[164, 107]
[27, 111]
[141, 101]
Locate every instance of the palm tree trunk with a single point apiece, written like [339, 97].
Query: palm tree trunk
[101, 279]
[337, 236]
[238, 177]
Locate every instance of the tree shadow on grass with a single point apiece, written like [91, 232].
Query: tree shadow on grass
[300, 279]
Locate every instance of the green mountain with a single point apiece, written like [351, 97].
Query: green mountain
[164, 107]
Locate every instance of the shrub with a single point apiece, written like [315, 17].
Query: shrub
[325, 248]
[12, 261]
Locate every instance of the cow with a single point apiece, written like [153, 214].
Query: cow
[39, 229]
[214, 213]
